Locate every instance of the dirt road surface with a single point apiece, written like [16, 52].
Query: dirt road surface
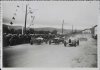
[45, 55]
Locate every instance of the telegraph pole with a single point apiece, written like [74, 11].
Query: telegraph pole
[25, 19]
[26, 14]
[62, 27]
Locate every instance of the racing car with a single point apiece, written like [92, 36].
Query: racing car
[71, 42]
[56, 40]
[38, 40]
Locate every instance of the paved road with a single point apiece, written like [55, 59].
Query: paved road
[45, 55]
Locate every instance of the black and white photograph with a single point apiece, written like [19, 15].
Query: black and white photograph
[50, 34]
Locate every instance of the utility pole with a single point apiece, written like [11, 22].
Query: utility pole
[25, 19]
[26, 13]
[62, 27]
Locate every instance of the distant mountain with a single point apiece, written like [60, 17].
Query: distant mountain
[40, 29]
[51, 29]
[12, 27]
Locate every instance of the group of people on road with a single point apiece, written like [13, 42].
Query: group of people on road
[15, 39]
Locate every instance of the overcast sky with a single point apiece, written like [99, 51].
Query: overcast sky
[81, 14]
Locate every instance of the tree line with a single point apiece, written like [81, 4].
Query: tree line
[8, 30]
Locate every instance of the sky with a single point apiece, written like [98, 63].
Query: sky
[80, 14]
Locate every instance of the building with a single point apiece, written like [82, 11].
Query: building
[94, 32]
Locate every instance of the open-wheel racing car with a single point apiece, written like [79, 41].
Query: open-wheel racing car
[71, 42]
[56, 40]
[38, 40]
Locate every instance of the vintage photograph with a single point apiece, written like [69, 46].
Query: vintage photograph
[50, 34]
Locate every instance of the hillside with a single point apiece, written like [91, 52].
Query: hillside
[40, 29]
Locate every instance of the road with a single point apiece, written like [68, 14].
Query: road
[45, 55]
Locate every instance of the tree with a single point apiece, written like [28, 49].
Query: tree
[31, 31]
[5, 29]
[54, 32]
[12, 31]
